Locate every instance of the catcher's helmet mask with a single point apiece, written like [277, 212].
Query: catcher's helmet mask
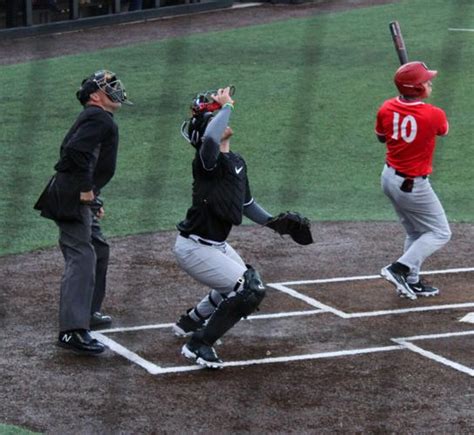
[193, 129]
[203, 108]
[108, 83]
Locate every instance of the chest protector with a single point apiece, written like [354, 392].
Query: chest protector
[222, 191]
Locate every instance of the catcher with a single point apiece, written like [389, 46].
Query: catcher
[221, 196]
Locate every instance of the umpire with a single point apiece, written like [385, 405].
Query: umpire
[86, 164]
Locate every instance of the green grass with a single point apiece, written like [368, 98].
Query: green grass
[6, 429]
[307, 94]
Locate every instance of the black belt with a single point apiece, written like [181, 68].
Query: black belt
[401, 174]
[199, 240]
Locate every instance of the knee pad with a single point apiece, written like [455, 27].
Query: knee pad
[245, 300]
[232, 308]
[252, 293]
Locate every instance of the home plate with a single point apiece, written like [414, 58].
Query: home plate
[469, 318]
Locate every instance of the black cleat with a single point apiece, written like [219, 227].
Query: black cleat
[185, 326]
[99, 319]
[80, 341]
[202, 354]
[399, 280]
[422, 289]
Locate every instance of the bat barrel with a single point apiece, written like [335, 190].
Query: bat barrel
[398, 41]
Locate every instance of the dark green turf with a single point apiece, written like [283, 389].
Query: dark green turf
[7, 429]
[307, 93]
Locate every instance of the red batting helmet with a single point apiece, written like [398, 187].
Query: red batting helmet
[410, 77]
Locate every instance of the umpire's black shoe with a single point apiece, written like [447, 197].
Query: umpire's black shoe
[186, 325]
[202, 354]
[399, 280]
[99, 319]
[423, 289]
[80, 341]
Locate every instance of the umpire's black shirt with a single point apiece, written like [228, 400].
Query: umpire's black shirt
[89, 150]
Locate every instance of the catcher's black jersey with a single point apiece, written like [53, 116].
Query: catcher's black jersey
[219, 196]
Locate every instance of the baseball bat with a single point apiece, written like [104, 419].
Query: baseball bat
[398, 41]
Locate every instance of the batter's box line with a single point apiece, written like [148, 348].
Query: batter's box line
[250, 318]
[368, 277]
[155, 369]
[406, 342]
[284, 288]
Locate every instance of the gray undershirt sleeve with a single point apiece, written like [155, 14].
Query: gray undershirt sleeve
[256, 213]
[211, 140]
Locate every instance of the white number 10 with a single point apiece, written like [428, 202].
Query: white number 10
[402, 129]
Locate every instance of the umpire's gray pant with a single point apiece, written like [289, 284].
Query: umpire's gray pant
[86, 257]
[422, 216]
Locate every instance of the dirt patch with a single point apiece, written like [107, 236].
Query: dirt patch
[47, 388]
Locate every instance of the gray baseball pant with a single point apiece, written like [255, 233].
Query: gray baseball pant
[218, 267]
[86, 255]
[422, 216]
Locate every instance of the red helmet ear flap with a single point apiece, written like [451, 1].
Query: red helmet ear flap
[411, 90]
[409, 78]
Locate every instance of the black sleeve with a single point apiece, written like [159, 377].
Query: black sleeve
[82, 148]
[85, 163]
[209, 151]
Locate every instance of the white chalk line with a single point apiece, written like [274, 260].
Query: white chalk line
[437, 358]
[309, 300]
[401, 344]
[460, 30]
[283, 287]
[155, 369]
[408, 310]
[326, 308]
[468, 318]
[406, 342]
[367, 277]
[434, 336]
[255, 317]
[286, 359]
[126, 353]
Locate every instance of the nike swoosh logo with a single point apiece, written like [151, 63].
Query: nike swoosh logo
[239, 170]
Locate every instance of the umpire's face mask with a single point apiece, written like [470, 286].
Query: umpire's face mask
[114, 89]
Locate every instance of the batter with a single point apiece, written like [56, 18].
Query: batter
[409, 126]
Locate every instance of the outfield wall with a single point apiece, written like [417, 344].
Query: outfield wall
[32, 17]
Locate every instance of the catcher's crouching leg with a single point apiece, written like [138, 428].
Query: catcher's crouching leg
[240, 304]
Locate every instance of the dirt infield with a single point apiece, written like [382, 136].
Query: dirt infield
[342, 384]
[322, 356]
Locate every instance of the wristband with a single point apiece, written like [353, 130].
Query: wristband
[228, 105]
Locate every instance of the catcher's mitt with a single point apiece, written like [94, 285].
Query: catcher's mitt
[294, 224]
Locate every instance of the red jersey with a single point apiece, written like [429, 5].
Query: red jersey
[410, 130]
